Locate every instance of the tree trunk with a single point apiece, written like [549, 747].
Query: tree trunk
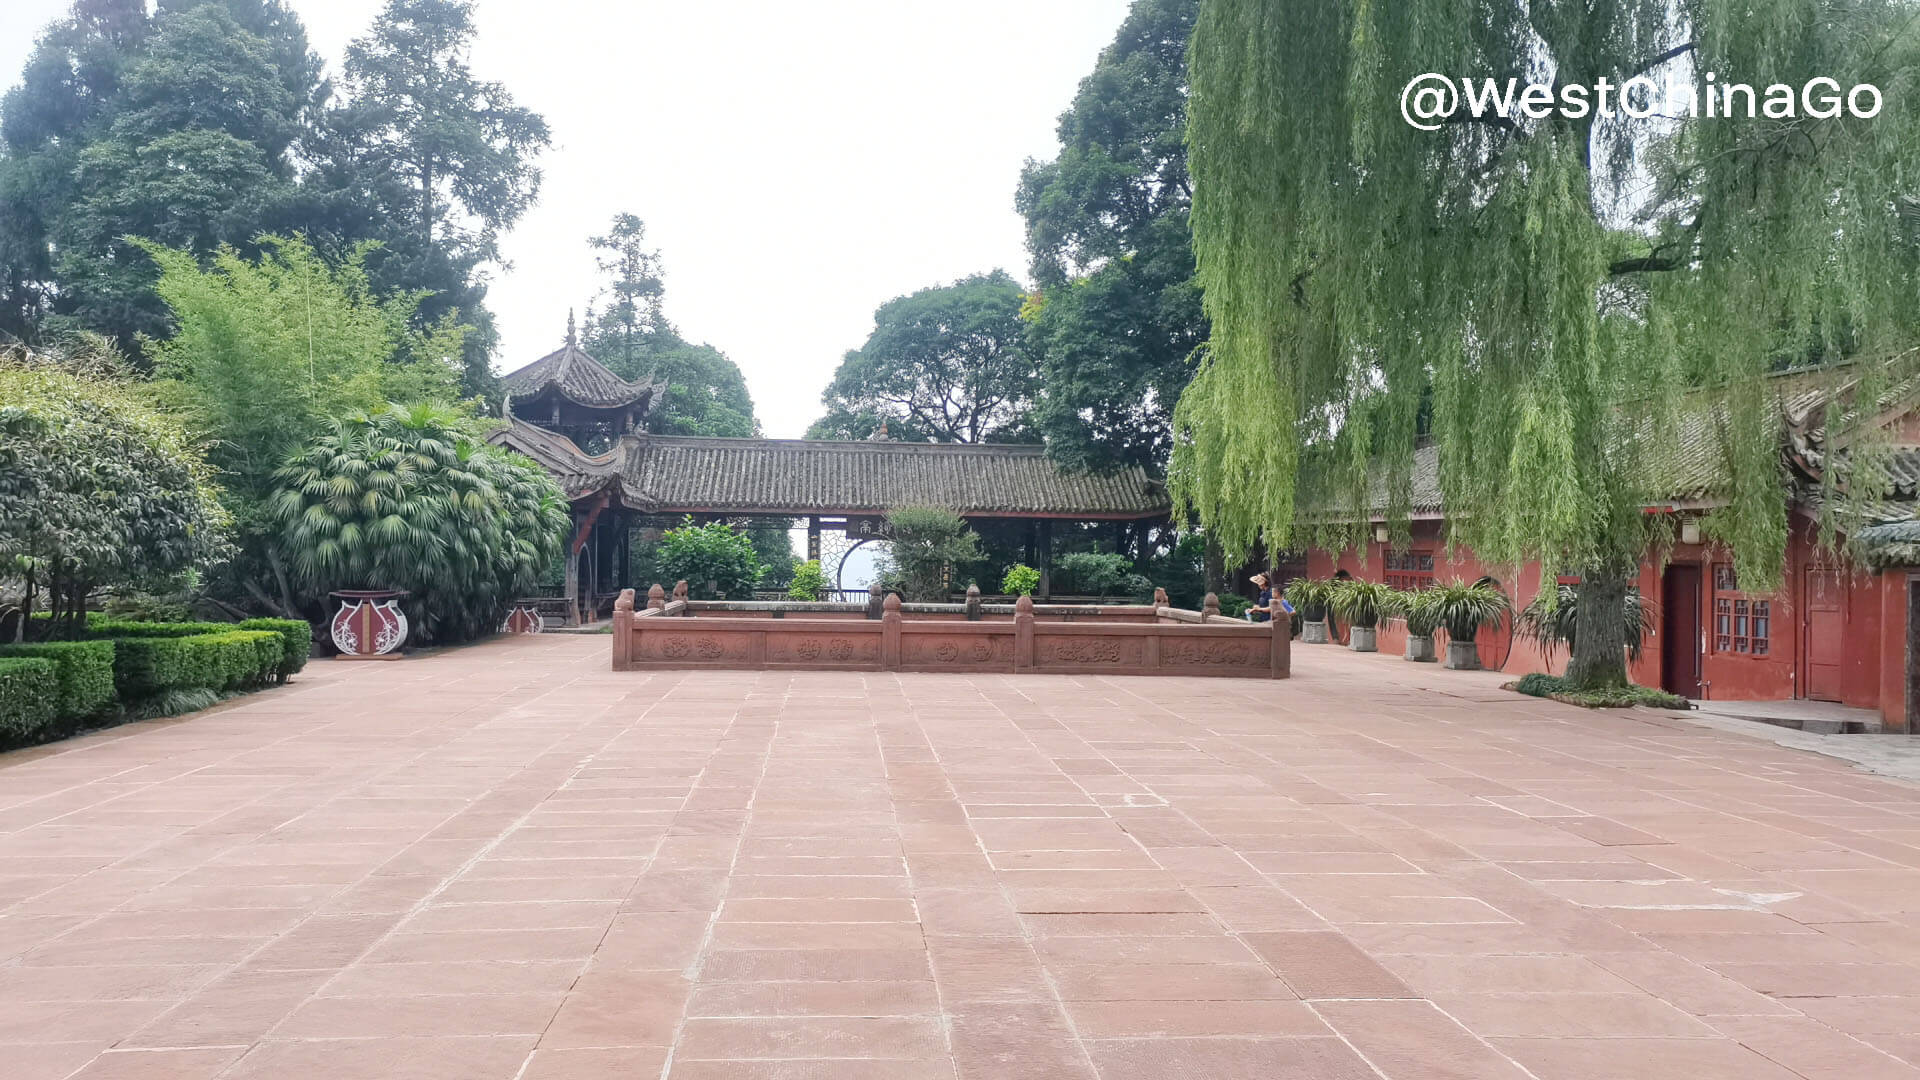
[1599, 657]
[1215, 572]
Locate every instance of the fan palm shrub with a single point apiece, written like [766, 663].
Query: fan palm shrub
[1549, 620]
[408, 498]
[1462, 610]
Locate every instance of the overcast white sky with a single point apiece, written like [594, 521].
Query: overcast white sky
[797, 164]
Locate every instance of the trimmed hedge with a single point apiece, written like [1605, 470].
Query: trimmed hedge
[29, 691]
[84, 670]
[297, 639]
[146, 666]
[296, 636]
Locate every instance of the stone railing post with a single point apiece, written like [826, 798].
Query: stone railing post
[680, 593]
[1023, 634]
[656, 598]
[876, 600]
[890, 634]
[1280, 651]
[1210, 607]
[623, 631]
[973, 603]
[1160, 598]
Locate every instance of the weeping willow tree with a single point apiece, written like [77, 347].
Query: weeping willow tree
[1558, 297]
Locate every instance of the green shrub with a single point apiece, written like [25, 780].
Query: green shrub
[809, 582]
[84, 670]
[296, 643]
[296, 636]
[716, 560]
[924, 544]
[1233, 605]
[1099, 573]
[148, 666]
[29, 688]
[1020, 580]
[1613, 697]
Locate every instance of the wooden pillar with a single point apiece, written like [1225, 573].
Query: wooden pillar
[813, 538]
[625, 553]
[572, 587]
[1046, 559]
[593, 574]
[1033, 543]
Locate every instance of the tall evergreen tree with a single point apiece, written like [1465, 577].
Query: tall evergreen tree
[1570, 287]
[176, 127]
[1118, 313]
[628, 332]
[430, 159]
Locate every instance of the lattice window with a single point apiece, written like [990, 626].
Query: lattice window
[1409, 569]
[1742, 624]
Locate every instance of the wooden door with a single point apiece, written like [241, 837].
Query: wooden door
[1824, 633]
[1680, 630]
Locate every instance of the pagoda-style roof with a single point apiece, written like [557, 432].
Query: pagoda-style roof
[792, 477]
[578, 378]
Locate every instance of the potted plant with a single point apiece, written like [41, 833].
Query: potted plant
[1463, 609]
[1309, 598]
[1361, 604]
[1415, 609]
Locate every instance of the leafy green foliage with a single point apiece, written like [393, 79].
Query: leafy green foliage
[1117, 311]
[924, 544]
[809, 582]
[944, 364]
[1020, 580]
[1564, 291]
[1612, 697]
[29, 687]
[267, 353]
[296, 643]
[1462, 609]
[408, 498]
[1099, 573]
[1550, 620]
[716, 560]
[96, 488]
[83, 670]
[1361, 603]
[1233, 605]
[1310, 597]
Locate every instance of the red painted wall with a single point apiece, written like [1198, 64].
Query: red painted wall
[1874, 621]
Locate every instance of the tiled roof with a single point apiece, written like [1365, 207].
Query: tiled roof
[670, 474]
[579, 378]
[1694, 466]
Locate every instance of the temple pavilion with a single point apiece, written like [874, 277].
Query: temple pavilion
[587, 426]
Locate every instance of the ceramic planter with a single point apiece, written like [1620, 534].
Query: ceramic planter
[1314, 632]
[1463, 656]
[1363, 639]
[1420, 648]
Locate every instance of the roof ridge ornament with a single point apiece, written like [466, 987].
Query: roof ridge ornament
[573, 342]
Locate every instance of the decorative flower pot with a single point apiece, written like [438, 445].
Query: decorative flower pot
[1314, 632]
[1463, 656]
[369, 624]
[1420, 648]
[1363, 639]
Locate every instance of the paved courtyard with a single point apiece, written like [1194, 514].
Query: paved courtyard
[508, 862]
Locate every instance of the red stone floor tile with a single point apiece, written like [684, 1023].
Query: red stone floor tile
[508, 861]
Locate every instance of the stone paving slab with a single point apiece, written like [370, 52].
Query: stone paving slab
[509, 862]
